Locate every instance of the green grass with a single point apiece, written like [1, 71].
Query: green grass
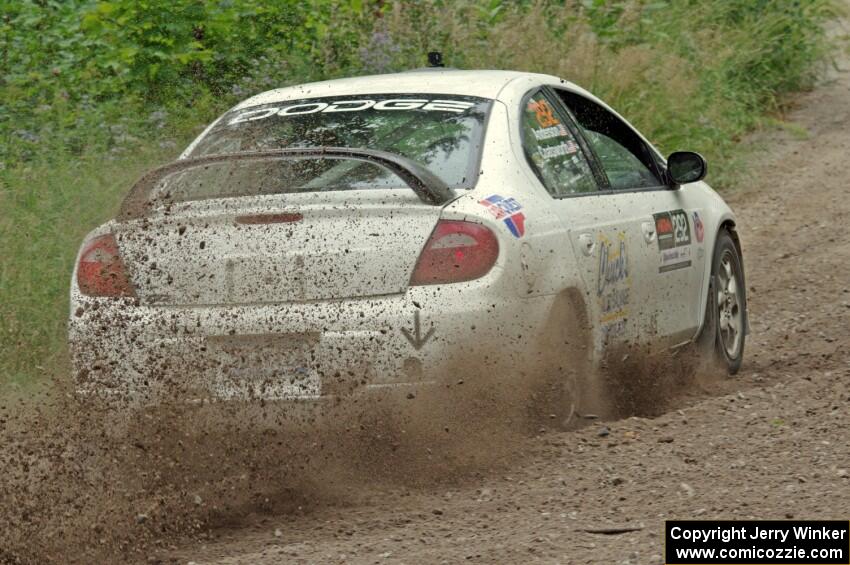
[691, 75]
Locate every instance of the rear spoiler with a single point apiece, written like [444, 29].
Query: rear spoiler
[428, 187]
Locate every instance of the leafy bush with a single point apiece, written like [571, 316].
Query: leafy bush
[95, 91]
[67, 65]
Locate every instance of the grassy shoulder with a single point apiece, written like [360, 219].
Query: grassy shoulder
[46, 210]
[691, 75]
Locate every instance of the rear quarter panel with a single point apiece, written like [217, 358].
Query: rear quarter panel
[539, 260]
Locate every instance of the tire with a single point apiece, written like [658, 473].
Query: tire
[724, 333]
[565, 364]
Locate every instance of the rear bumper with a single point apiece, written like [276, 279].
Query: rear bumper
[300, 352]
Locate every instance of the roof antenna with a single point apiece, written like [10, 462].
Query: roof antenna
[435, 59]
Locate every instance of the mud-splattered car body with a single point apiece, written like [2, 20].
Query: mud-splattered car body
[367, 233]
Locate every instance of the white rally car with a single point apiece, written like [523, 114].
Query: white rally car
[343, 236]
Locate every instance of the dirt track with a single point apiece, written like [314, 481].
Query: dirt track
[771, 443]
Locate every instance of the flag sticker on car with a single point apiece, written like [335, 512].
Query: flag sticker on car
[507, 210]
[699, 228]
[673, 232]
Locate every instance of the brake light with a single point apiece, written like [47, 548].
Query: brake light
[101, 270]
[457, 251]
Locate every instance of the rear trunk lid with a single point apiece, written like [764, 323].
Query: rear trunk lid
[277, 248]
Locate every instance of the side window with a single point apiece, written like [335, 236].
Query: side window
[552, 150]
[625, 158]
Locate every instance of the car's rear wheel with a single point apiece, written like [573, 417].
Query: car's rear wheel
[726, 312]
[565, 363]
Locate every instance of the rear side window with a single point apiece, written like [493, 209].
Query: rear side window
[627, 161]
[442, 133]
[552, 150]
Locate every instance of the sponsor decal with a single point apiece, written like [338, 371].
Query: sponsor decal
[673, 259]
[549, 133]
[562, 149]
[673, 230]
[613, 285]
[507, 210]
[250, 115]
[699, 229]
[613, 330]
[544, 113]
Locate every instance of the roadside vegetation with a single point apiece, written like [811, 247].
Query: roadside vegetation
[94, 92]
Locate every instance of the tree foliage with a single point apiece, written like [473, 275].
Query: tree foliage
[78, 74]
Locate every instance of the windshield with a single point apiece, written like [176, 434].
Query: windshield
[442, 133]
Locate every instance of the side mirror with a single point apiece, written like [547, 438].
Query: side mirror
[686, 166]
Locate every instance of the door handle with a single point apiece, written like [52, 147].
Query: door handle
[587, 243]
[648, 229]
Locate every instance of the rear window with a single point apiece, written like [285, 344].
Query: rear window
[442, 133]
[260, 177]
